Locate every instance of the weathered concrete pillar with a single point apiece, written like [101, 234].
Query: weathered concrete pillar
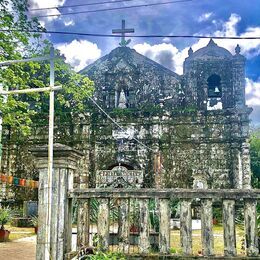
[64, 164]
[164, 226]
[246, 166]
[186, 226]
[251, 237]
[206, 227]
[144, 243]
[83, 224]
[229, 228]
[123, 226]
[103, 224]
[42, 197]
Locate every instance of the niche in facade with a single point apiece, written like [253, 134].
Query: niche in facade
[122, 98]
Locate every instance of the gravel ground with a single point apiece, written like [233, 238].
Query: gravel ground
[22, 249]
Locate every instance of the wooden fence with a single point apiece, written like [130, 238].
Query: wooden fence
[203, 198]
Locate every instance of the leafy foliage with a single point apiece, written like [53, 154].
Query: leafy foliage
[255, 158]
[5, 216]
[94, 207]
[105, 256]
[19, 111]
[34, 221]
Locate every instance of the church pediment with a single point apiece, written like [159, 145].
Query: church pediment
[141, 79]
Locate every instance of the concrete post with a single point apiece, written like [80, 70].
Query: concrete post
[124, 226]
[251, 227]
[103, 224]
[64, 164]
[164, 234]
[207, 238]
[83, 224]
[186, 227]
[229, 228]
[144, 244]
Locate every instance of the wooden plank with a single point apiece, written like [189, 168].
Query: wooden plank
[103, 224]
[144, 243]
[229, 228]
[207, 228]
[123, 226]
[83, 224]
[165, 193]
[29, 90]
[164, 226]
[37, 59]
[186, 227]
[251, 231]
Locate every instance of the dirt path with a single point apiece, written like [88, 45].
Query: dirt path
[22, 249]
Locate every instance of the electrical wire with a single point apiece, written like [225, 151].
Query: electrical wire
[138, 36]
[80, 5]
[114, 8]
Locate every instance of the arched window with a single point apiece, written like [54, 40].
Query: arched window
[214, 86]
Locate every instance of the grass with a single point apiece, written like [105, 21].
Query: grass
[196, 242]
[218, 240]
[19, 232]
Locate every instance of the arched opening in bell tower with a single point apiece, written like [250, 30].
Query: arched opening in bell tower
[214, 86]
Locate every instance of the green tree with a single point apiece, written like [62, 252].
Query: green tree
[20, 112]
[255, 158]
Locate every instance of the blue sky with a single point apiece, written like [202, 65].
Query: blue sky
[201, 17]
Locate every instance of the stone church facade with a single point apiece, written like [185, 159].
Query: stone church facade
[186, 131]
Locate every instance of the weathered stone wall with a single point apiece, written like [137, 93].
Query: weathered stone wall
[194, 145]
[198, 144]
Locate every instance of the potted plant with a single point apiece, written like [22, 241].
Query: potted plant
[34, 221]
[5, 216]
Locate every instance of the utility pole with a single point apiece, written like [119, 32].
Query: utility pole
[50, 156]
[51, 89]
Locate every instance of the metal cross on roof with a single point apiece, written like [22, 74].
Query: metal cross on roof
[123, 32]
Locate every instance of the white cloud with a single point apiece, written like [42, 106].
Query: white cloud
[252, 92]
[205, 17]
[33, 4]
[69, 22]
[164, 53]
[175, 58]
[249, 48]
[166, 40]
[80, 53]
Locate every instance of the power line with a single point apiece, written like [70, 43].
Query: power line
[114, 8]
[139, 36]
[79, 5]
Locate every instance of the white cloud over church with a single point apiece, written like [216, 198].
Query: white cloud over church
[79, 53]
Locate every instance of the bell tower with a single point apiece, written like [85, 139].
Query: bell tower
[215, 77]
